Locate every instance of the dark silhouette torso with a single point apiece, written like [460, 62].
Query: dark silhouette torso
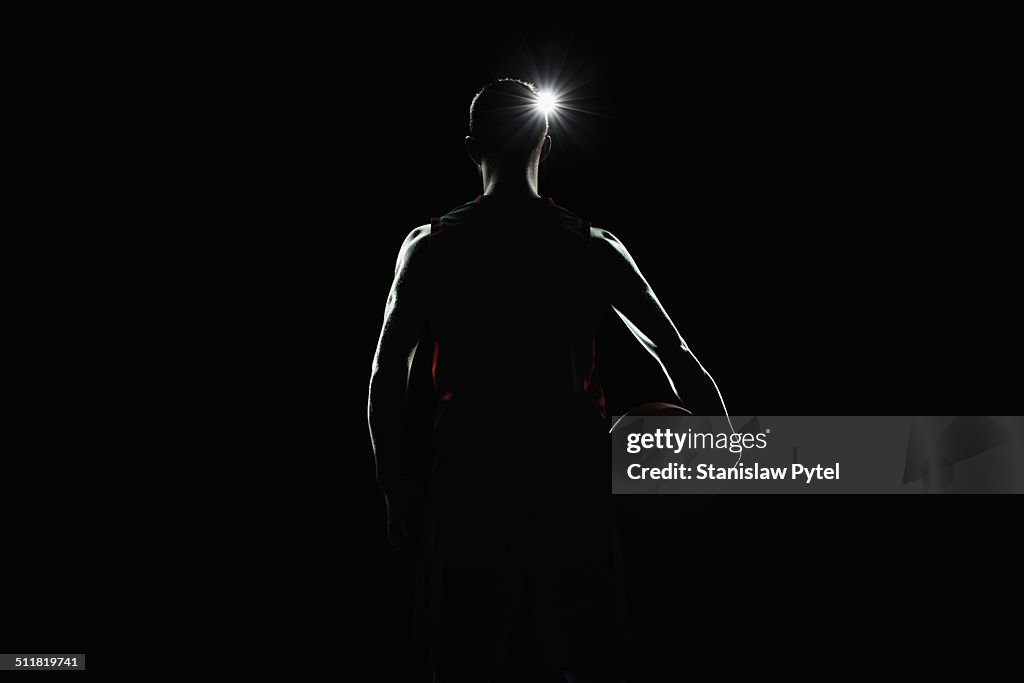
[515, 305]
[520, 539]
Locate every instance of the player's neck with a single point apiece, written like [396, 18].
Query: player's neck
[522, 184]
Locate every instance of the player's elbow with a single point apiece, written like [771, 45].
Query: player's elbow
[676, 358]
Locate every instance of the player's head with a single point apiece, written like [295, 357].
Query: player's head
[506, 125]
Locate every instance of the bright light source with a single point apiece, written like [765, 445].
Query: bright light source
[546, 102]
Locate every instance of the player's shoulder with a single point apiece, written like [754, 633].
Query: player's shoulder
[458, 215]
[455, 220]
[609, 249]
[414, 246]
[418, 234]
[606, 241]
[602, 235]
[568, 221]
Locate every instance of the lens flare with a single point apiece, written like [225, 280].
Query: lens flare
[546, 102]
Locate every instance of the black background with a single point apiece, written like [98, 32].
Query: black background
[818, 202]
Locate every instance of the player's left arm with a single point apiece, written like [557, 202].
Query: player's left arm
[636, 304]
[404, 317]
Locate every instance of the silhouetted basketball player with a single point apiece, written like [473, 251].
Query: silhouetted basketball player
[513, 287]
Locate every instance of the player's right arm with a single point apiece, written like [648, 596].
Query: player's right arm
[404, 317]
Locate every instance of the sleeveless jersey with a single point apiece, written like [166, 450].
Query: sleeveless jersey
[514, 308]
